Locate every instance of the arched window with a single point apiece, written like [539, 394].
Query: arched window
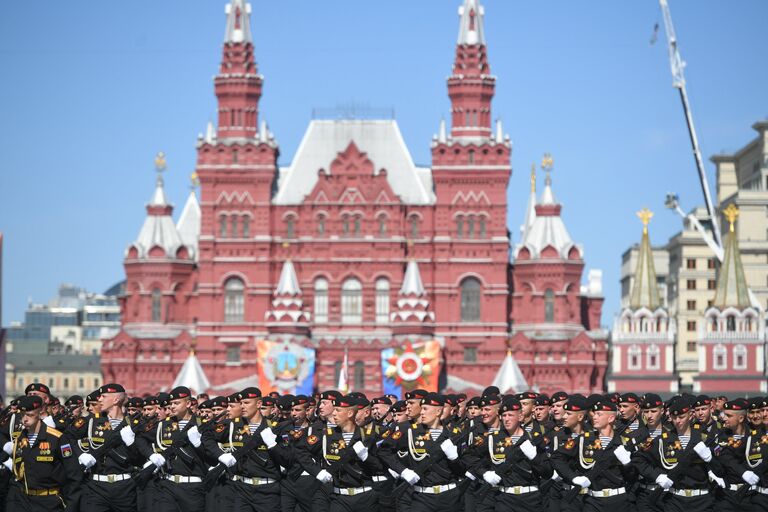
[382, 225]
[471, 226]
[482, 227]
[720, 357]
[382, 301]
[470, 300]
[233, 231]
[321, 301]
[633, 356]
[246, 226]
[345, 224]
[472, 153]
[359, 376]
[414, 227]
[459, 227]
[157, 309]
[653, 357]
[730, 323]
[290, 227]
[321, 225]
[234, 300]
[549, 305]
[351, 301]
[739, 357]
[223, 226]
[336, 372]
[358, 224]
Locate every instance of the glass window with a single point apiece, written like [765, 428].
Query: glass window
[223, 226]
[470, 354]
[739, 357]
[233, 354]
[233, 231]
[358, 223]
[234, 300]
[633, 355]
[470, 300]
[246, 226]
[459, 226]
[289, 228]
[414, 227]
[482, 227]
[345, 225]
[654, 356]
[731, 323]
[321, 225]
[157, 309]
[471, 226]
[351, 301]
[549, 305]
[321, 301]
[382, 225]
[382, 301]
[359, 375]
[720, 355]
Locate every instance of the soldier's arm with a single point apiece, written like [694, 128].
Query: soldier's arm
[388, 450]
[307, 452]
[562, 457]
[645, 459]
[541, 464]
[211, 438]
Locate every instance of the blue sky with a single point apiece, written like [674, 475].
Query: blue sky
[91, 90]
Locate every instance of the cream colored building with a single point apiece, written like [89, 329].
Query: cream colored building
[64, 374]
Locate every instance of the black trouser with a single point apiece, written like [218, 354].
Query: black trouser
[506, 502]
[241, 497]
[448, 501]
[169, 496]
[758, 501]
[363, 502]
[296, 495]
[321, 498]
[673, 503]
[383, 490]
[20, 502]
[643, 501]
[109, 497]
[610, 504]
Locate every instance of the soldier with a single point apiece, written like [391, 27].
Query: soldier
[516, 462]
[528, 401]
[41, 390]
[343, 455]
[381, 410]
[558, 400]
[473, 407]
[597, 461]
[476, 452]
[542, 407]
[41, 462]
[297, 487]
[399, 412]
[574, 418]
[677, 461]
[703, 410]
[253, 457]
[92, 403]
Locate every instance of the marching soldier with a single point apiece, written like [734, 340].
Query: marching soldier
[574, 418]
[41, 462]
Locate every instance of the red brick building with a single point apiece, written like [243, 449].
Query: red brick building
[352, 248]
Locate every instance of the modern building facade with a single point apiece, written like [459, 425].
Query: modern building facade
[279, 272]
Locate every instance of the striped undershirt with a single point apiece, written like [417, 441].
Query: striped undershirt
[183, 424]
[605, 440]
[32, 438]
[634, 425]
[347, 436]
[435, 433]
[656, 433]
[684, 440]
[114, 423]
[529, 427]
[253, 427]
[515, 439]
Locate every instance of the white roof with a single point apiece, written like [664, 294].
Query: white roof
[158, 230]
[471, 31]
[412, 284]
[380, 139]
[509, 376]
[238, 22]
[289, 283]
[547, 230]
[192, 375]
[189, 223]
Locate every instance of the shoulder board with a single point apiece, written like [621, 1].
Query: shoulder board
[696, 426]
[624, 440]
[535, 434]
[456, 430]
[664, 435]
[586, 434]
[479, 440]
[96, 415]
[386, 434]
[79, 422]
[414, 425]
[329, 431]
[54, 432]
[369, 430]
[135, 422]
[272, 423]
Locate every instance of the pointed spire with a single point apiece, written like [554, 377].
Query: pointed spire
[210, 133]
[189, 220]
[238, 22]
[499, 132]
[509, 377]
[645, 292]
[471, 23]
[412, 285]
[289, 283]
[412, 305]
[547, 197]
[530, 210]
[192, 375]
[441, 136]
[732, 288]
[158, 198]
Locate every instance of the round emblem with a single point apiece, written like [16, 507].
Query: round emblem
[409, 366]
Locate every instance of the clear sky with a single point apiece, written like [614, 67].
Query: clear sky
[91, 90]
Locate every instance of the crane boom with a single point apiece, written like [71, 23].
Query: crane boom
[678, 81]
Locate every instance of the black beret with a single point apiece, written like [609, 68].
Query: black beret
[398, 406]
[451, 400]
[331, 394]
[205, 404]
[93, 396]
[416, 394]
[491, 390]
[559, 396]
[150, 400]
[180, 392]
[362, 402]
[576, 403]
[300, 400]
[163, 399]
[218, 401]
[490, 400]
[74, 400]
[593, 399]
[543, 400]
[651, 400]
[250, 392]
[29, 403]
[737, 404]
[285, 402]
[510, 403]
[605, 405]
[461, 398]
[527, 395]
[274, 394]
[381, 400]
[345, 401]
[135, 402]
[755, 403]
[702, 400]
[435, 399]
[37, 386]
[111, 388]
[473, 402]
[679, 405]
[268, 401]
[629, 398]
[233, 398]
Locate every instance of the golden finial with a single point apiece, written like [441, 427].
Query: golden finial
[547, 162]
[192, 346]
[160, 162]
[730, 214]
[286, 245]
[533, 178]
[645, 216]
[194, 180]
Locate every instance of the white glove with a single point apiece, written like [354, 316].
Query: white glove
[393, 473]
[664, 481]
[703, 451]
[581, 481]
[324, 476]
[195, 437]
[128, 436]
[269, 437]
[750, 477]
[492, 478]
[8, 447]
[528, 449]
[719, 481]
[470, 476]
[410, 476]
[360, 450]
[8, 464]
[146, 464]
[623, 455]
[87, 460]
[449, 449]
[227, 459]
[157, 459]
[49, 421]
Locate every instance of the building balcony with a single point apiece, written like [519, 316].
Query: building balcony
[731, 336]
[635, 337]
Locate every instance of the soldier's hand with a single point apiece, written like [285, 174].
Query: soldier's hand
[360, 450]
[664, 481]
[581, 481]
[87, 460]
[8, 447]
[128, 436]
[157, 459]
[195, 437]
[449, 449]
[623, 455]
[492, 477]
[227, 459]
[410, 476]
[719, 481]
[703, 451]
[750, 477]
[528, 449]
[8, 464]
[324, 476]
[269, 437]
[470, 476]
